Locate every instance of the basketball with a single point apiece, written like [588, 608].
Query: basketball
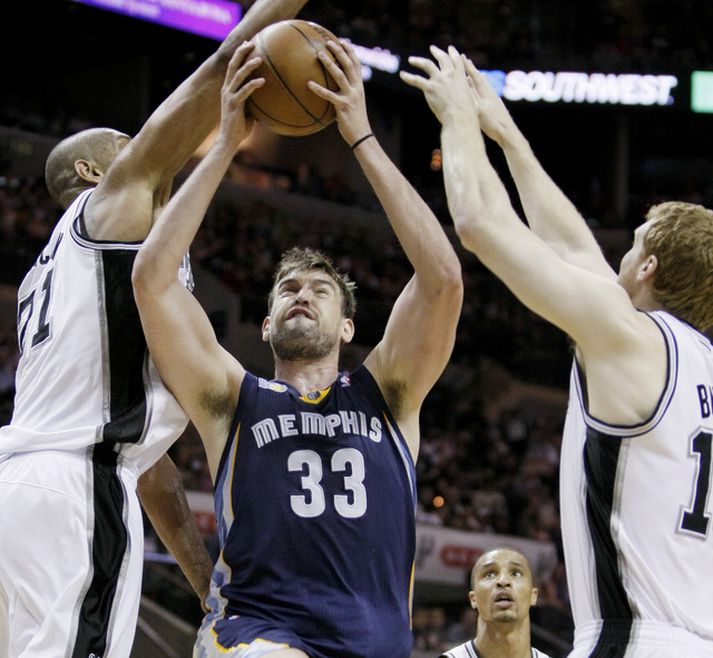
[285, 104]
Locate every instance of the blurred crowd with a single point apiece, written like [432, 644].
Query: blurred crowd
[612, 34]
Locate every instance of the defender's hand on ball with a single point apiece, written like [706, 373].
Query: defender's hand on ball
[234, 123]
[349, 99]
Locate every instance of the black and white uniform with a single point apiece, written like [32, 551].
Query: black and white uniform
[636, 514]
[90, 416]
[468, 650]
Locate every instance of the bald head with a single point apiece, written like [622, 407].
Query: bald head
[78, 161]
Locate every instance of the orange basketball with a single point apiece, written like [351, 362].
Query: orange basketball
[285, 104]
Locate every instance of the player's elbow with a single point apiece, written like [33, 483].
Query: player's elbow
[451, 278]
[144, 276]
[444, 284]
[473, 225]
[467, 228]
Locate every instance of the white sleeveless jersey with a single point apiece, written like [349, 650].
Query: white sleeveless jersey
[468, 650]
[636, 506]
[84, 374]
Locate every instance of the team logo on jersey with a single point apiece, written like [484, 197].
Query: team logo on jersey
[345, 379]
[344, 423]
[271, 386]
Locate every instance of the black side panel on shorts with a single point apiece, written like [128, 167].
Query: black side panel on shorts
[127, 350]
[108, 549]
[601, 456]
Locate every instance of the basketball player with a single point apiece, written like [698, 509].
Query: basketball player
[91, 415]
[636, 455]
[314, 469]
[502, 594]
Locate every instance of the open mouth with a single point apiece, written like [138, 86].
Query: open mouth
[503, 600]
[299, 312]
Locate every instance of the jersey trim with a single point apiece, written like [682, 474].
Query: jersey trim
[637, 429]
[87, 242]
[469, 650]
[465, 650]
[394, 432]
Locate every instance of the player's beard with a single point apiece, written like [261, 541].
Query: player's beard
[300, 343]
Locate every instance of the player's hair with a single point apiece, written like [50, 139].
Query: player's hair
[298, 259]
[681, 238]
[94, 144]
[473, 571]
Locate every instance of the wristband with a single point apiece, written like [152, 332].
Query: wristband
[361, 139]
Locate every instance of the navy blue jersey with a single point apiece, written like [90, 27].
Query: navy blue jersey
[315, 500]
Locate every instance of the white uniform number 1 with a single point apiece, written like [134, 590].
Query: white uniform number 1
[350, 505]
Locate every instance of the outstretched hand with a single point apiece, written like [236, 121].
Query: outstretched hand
[446, 85]
[495, 119]
[349, 99]
[235, 124]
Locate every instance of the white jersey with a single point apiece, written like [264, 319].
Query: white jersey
[636, 509]
[468, 650]
[84, 376]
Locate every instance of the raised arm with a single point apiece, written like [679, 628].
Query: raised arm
[203, 376]
[139, 180]
[420, 333]
[621, 350]
[550, 214]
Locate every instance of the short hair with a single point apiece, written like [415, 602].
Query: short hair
[681, 238]
[298, 259]
[94, 144]
[495, 549]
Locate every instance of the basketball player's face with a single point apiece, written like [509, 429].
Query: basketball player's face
[306, 321]
[503, 590]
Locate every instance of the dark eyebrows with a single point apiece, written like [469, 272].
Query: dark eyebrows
[327, 280]
[284, 283]
[511, 563]
[486, 565]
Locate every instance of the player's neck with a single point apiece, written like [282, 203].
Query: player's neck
[503, 641]
[308, 376]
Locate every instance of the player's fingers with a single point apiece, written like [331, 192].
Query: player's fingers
[244, 92]
[243, 73]
[426, 65]
[480, 82]
[238, 58]
[333, 68]
[473, 73]
[323, 92]
[349, 51]
[456, 59]
[441, 56]
[413, 80]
